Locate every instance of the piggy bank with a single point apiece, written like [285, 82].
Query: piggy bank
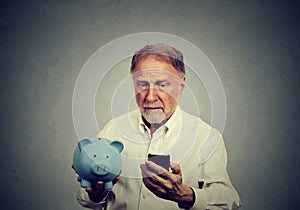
[97, 159]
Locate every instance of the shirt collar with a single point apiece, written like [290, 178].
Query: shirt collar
[172, 124]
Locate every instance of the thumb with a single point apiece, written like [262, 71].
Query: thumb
[175, 168]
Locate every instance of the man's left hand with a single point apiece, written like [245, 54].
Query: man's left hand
[167, 185]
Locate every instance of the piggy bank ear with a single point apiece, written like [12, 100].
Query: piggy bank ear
[83, 142]
[118, 145]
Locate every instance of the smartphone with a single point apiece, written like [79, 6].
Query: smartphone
[162, 160]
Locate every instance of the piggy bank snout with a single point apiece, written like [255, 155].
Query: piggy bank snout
[101, 168]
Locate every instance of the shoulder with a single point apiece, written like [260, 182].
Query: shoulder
[209, 137]
[192, 120]
[130, 117]
[121, 124]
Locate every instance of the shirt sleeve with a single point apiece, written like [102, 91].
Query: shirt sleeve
[217, 192]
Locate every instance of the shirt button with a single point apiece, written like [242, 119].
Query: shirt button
[144, 196]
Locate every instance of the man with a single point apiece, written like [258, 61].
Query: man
[197, 178]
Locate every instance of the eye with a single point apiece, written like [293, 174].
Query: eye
[95, 155]
[162, 84]
[143, 85]
[107, 156]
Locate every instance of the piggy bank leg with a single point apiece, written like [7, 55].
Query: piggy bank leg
[108, 185]
[84, 183]
[79, 178]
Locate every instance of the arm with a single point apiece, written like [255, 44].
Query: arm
[218, 193]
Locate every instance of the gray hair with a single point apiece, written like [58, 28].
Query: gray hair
[160, 52]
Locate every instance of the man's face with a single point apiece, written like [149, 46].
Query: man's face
[158, 86]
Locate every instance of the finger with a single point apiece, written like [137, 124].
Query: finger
[157, 189]
[150, 177]
[158, 170]
[146, 172]
[89, 190]
[155, 168]
[152, 186]
[150, 182]
[175, 168]
[116, 180]
[99, 185]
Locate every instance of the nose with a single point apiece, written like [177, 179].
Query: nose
[151, 94]
[101, 169]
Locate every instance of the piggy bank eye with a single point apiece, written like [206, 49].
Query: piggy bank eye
[95, 155]
[107, 156]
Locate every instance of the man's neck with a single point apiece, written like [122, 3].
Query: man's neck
[153, 126]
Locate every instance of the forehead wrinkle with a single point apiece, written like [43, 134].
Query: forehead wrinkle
[154, 75]
[152, 78]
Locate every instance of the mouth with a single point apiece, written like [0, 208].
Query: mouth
[152, 108]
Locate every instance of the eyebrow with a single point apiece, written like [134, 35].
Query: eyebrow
[162, 81]
[156, 82]
[142, 81]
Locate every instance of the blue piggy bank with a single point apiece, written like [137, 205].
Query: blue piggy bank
[97, 159]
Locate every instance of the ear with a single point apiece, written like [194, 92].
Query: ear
[118, 145]
[182, 86]
[83, 142]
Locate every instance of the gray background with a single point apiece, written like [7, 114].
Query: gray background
[44, 44]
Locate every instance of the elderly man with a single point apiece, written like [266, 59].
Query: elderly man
[160, 127]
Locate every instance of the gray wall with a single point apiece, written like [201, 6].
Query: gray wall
[44, 44]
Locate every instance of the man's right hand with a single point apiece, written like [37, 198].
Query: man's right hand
[97, 192]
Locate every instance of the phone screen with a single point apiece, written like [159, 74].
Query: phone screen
[162, 160]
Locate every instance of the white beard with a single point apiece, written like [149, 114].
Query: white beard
[155, 117]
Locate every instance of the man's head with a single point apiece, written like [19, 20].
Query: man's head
[159, 77]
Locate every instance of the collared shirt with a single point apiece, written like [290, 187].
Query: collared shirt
[197, 147]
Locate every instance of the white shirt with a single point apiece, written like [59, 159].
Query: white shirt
[193, 144]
